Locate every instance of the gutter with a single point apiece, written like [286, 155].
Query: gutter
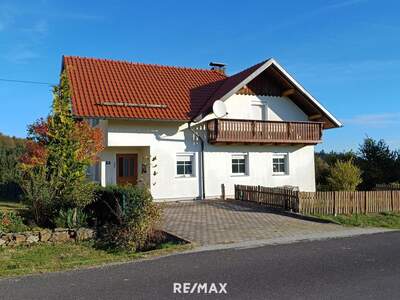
[203, 189]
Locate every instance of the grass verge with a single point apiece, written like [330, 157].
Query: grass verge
[386, 220]
[11, 206]
[44, 258]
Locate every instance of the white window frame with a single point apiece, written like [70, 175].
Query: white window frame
[285, 156]
[192, 157]
[246, 164]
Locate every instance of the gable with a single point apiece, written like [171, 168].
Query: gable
[270, 79]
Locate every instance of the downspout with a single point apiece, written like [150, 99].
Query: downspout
[203, 189]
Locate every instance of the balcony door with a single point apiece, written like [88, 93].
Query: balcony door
[127, 169]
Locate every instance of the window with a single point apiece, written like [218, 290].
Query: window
[259, 111]
[89, 172]
[184, 165]
[239, 164]
[126, 166]
[94, 122]
[93, 172]
[280, 164]
[97, 172]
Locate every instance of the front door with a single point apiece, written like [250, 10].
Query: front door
[127, 168]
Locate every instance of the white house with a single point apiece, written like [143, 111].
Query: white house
[160, 130]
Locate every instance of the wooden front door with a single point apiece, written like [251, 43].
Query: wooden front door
[127, 168]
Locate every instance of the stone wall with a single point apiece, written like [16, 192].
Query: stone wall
[58, 235]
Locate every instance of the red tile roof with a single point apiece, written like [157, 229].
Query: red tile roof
[119, 89]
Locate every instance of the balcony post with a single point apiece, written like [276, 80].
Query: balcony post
[216, 129]
[321, 128]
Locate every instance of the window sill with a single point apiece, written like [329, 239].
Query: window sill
[239, 175]
[183, 176]
[280, 174]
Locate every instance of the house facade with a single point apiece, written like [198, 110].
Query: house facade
[160, 129]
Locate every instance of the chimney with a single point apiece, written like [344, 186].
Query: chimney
[219, 67]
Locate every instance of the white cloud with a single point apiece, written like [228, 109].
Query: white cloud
[340, 4]
[77, 16]
[7, 16]
[39, 28]
[378, 120]
[21, 54]
[12, 14]
[345, 71]
[32, 35]
[310, 14]
[30, 24]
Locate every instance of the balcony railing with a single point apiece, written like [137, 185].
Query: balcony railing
[263, 132]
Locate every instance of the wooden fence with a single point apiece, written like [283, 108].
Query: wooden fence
[280, 198]
[325, 203]
[358, 202]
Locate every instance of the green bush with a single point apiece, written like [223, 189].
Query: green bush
[38, 197]
[71, 218]
[10, 150]
[44, 204]
[344, 176]
[127, 216]
[11, 222]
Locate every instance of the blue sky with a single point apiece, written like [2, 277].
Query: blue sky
[345, 52]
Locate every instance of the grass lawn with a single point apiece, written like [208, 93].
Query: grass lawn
[387, 220]
[43, 258]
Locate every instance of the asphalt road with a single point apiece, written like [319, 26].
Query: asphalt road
[362, 267]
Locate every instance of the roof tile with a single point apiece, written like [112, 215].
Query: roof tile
[94, 81]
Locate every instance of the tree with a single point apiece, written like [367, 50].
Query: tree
[321, 173]
[10, 150]
[344, 176]
[378, 162]
[59, 151]
[323, 163]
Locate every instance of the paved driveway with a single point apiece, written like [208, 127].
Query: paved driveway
[219, 222]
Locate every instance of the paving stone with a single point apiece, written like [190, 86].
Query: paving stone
[218, 222]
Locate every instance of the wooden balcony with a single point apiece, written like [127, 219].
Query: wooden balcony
[263, 132]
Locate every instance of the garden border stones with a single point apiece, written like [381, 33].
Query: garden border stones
[57, 235]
